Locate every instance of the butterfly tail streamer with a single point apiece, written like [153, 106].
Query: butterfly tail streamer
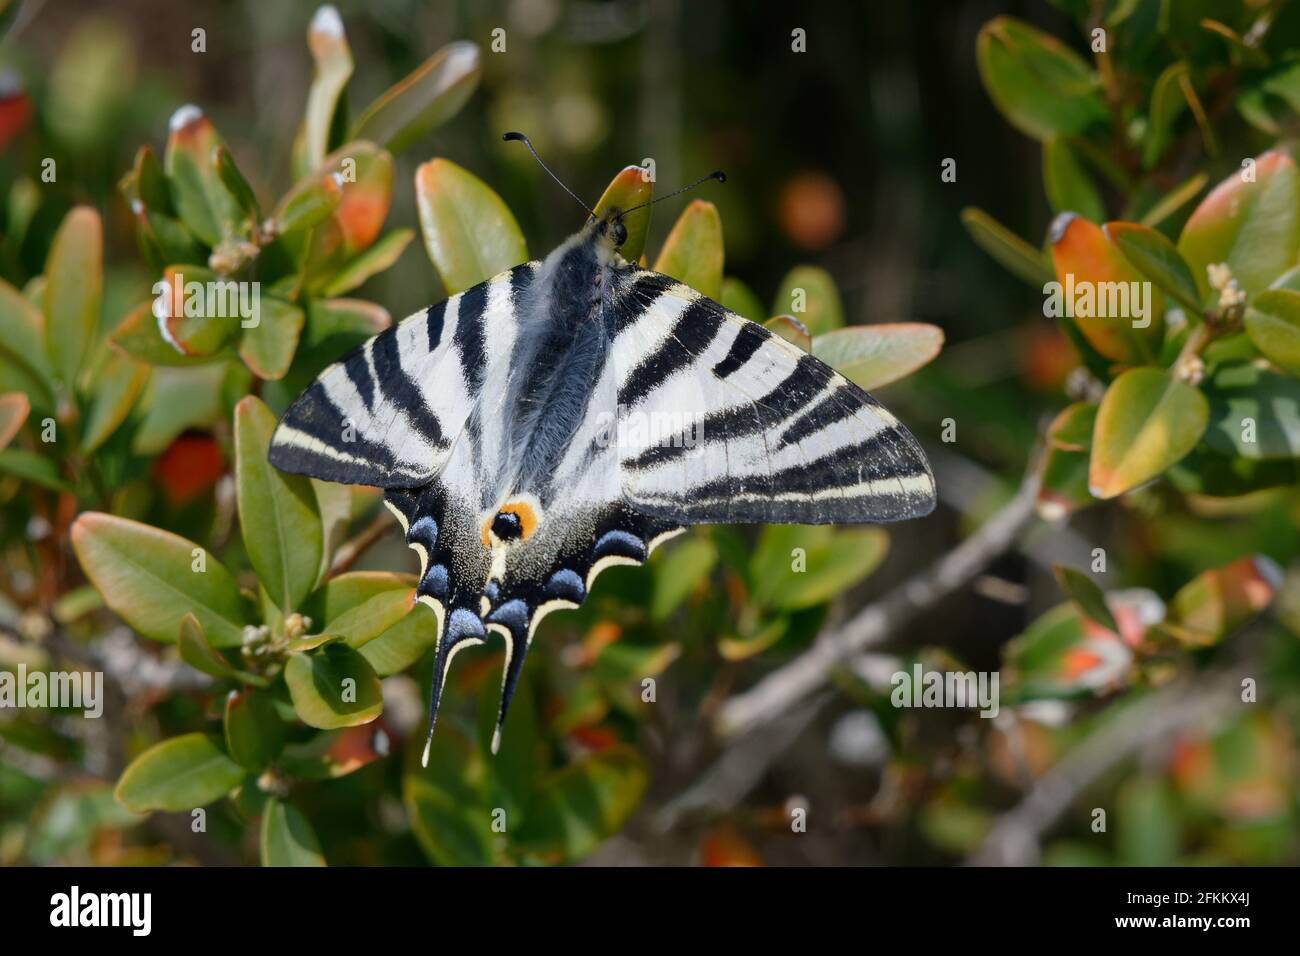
[512, 620]
[462, 629]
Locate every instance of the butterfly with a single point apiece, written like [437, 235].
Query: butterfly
[573, 414]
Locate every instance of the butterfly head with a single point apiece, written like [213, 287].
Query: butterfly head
[611, 228]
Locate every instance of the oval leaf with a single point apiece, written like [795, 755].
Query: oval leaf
[74, 280]
[278, 514]
[469, 232]
[809, 294]
[254, 731]
[693, 251]
[424, 100]
[1147, 421]
[150, 578]
[875, 355]
[178, 775]
[287, 839]
[333, 687]
[1273, 324]
[1251, 221]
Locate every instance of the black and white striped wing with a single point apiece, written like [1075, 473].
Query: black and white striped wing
[722, 421]
[388, 413]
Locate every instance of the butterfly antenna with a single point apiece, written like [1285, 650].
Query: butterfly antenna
[524, 139]
[717, 174]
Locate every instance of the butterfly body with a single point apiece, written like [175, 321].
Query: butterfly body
[572, 414]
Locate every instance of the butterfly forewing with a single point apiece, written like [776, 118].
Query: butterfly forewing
[768, 433]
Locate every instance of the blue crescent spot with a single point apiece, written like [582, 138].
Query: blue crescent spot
[567, 585]
[425, 531]
[492, 591]
[464, 624]
[621, 543]
[434, 582]
[513, 614]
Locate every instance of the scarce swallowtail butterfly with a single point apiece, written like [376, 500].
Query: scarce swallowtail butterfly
[500, 426]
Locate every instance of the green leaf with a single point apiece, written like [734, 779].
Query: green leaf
[333, 687]
[1147, 421]
[1218, 602]
[1087, 596]
[631, 187]
[23, 364]
[344, 592]
[1167, 102]
[446, 805]
[809, 294]
[1042, 87]
[139, 335]
[681, 571]
[333, 59]
[278, 514]
[14, 408]
[198, 653]
[403, 643]
[583, 804]
[30, 466]
[469, 232]
[308, 204]
[236, 184]
[425, 99]
[178, 775]
[147, 577]
[180, 398]
[205, 205]
[74, 283]
[798, 566]
[872, 356]
[372, 261]
[1253, 226]
[254, 731]
[116, 388]
[1273, 324]
[1069, 187]
[1156, 258]
[362, 624]
[287, 839]
[1072, 429]
[1012, 253]
[1253, 413]
[693, 251]
[193, 321]
[740, 299]
[268, 347]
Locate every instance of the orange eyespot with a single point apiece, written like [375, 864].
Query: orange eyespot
[515, 521]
